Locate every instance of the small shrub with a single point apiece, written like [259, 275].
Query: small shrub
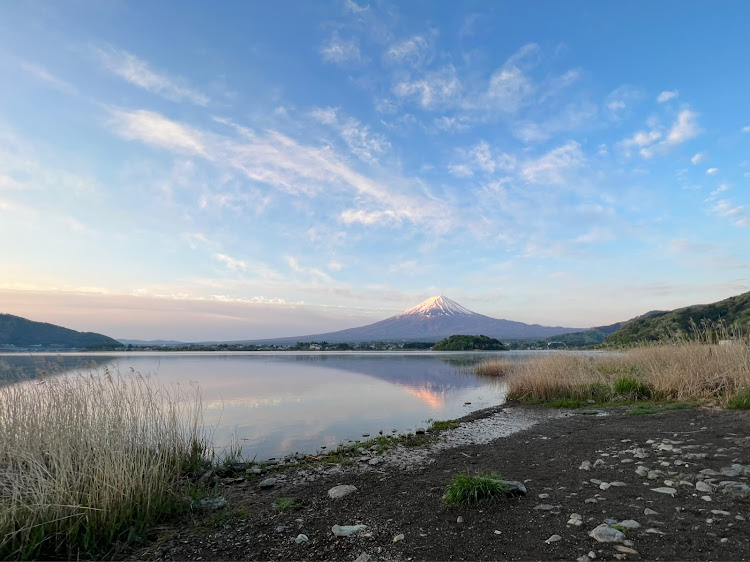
[466, 489]
[632, 389]
[600, 392]
[740, 401]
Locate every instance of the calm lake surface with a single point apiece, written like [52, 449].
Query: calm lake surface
[273, 404]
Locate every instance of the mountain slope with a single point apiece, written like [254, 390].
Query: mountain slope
[21, 332]
[731, 311]
[597, 335]
[432, 320]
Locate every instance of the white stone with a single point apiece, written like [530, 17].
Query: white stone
[553, 538]
[341, 490]
[301, 538]
[665, 490]
[347, 530]
[605, 533]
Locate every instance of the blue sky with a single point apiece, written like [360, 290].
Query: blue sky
[237, 170]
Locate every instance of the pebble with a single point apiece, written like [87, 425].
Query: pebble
[398, 538]
[703, 487]
[347, 530]
[720, 512]
[553, 538]
[629, 524]
[301, 538]
[585, 465]
[214, 504]
[665, 490]
[575, 519]
[605, 533]
[642, 471]
[267, 483]
[373, 462]
[544, 507]
[364, 557]
[706, 498]
[459, 519]
[625, 549]
[543, 496]
[738, 491]
[654, 531]
[649, 511]
[605, 486]
[617, 484]
[341, 490]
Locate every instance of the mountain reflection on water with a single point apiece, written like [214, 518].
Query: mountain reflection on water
[272, 404]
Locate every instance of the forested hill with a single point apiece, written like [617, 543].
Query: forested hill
[731, 312]
[20, 332]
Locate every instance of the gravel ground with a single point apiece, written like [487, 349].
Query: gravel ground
[667, 486]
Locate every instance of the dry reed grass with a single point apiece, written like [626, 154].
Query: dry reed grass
[495, 368]
[86, 461]
[681, 371]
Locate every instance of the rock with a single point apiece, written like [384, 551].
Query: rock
[398, 538]
[267, 483]
[617, 484]
[605, 533]
[575, 519]
[649, 511]
[544, 507]
[665, 490]
[737, 491]
[590, 500]
[654, 531]
[515, 488]
[720, 512]
[459, 519]
[641, 471]
[420, 431]
[598, 462]
[213, 504]
[625, 549]
[553, 538]
[732, 471]
[629, 524]
[585, 465]
[703, 487]
[299, 539]
[605, 486]
[543, 496]
[364, 557]
[281, 528]
[595, 481]
[706, 498]
[347, 530]
[654, 474]
[373, 462]
[341, 490]
[708, 472]
[592, 555]
[583, 558]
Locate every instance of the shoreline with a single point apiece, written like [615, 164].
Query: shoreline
[574, 464]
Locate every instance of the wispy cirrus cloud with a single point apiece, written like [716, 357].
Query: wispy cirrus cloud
[47, 77]
[667, 95]
[554, 167]
[341, 51]
[480, 158]
[138, 72]
[699, 157]
[412, 51]
[359, 138]
[273, 159]
[660, 140]
[432, 90]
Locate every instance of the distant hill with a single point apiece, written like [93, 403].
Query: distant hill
[434, 319]
[595, 336]
[734, 311]
[23, 333]
[468, 343]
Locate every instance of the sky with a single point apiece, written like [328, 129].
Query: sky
[229, 170]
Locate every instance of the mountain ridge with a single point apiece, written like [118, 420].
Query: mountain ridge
[431, 320]
[21, 332]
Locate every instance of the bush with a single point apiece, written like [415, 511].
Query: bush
[466, 489]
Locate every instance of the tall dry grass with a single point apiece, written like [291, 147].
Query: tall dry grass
[89, 460]
[682, 371]
[495, 368]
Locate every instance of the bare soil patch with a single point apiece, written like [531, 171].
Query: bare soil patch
[392, 501]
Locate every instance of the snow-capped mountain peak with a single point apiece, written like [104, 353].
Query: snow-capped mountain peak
[437, 306]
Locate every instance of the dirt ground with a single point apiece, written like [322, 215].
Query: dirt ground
[561, 460]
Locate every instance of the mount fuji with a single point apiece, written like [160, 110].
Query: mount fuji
[434, 319]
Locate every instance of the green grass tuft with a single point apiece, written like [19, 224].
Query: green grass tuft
[645, 409]
[467, 489]
[631, 388]
[441, 425]
[740, 401]
[283, 504]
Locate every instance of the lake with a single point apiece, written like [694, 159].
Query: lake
[273, 404]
